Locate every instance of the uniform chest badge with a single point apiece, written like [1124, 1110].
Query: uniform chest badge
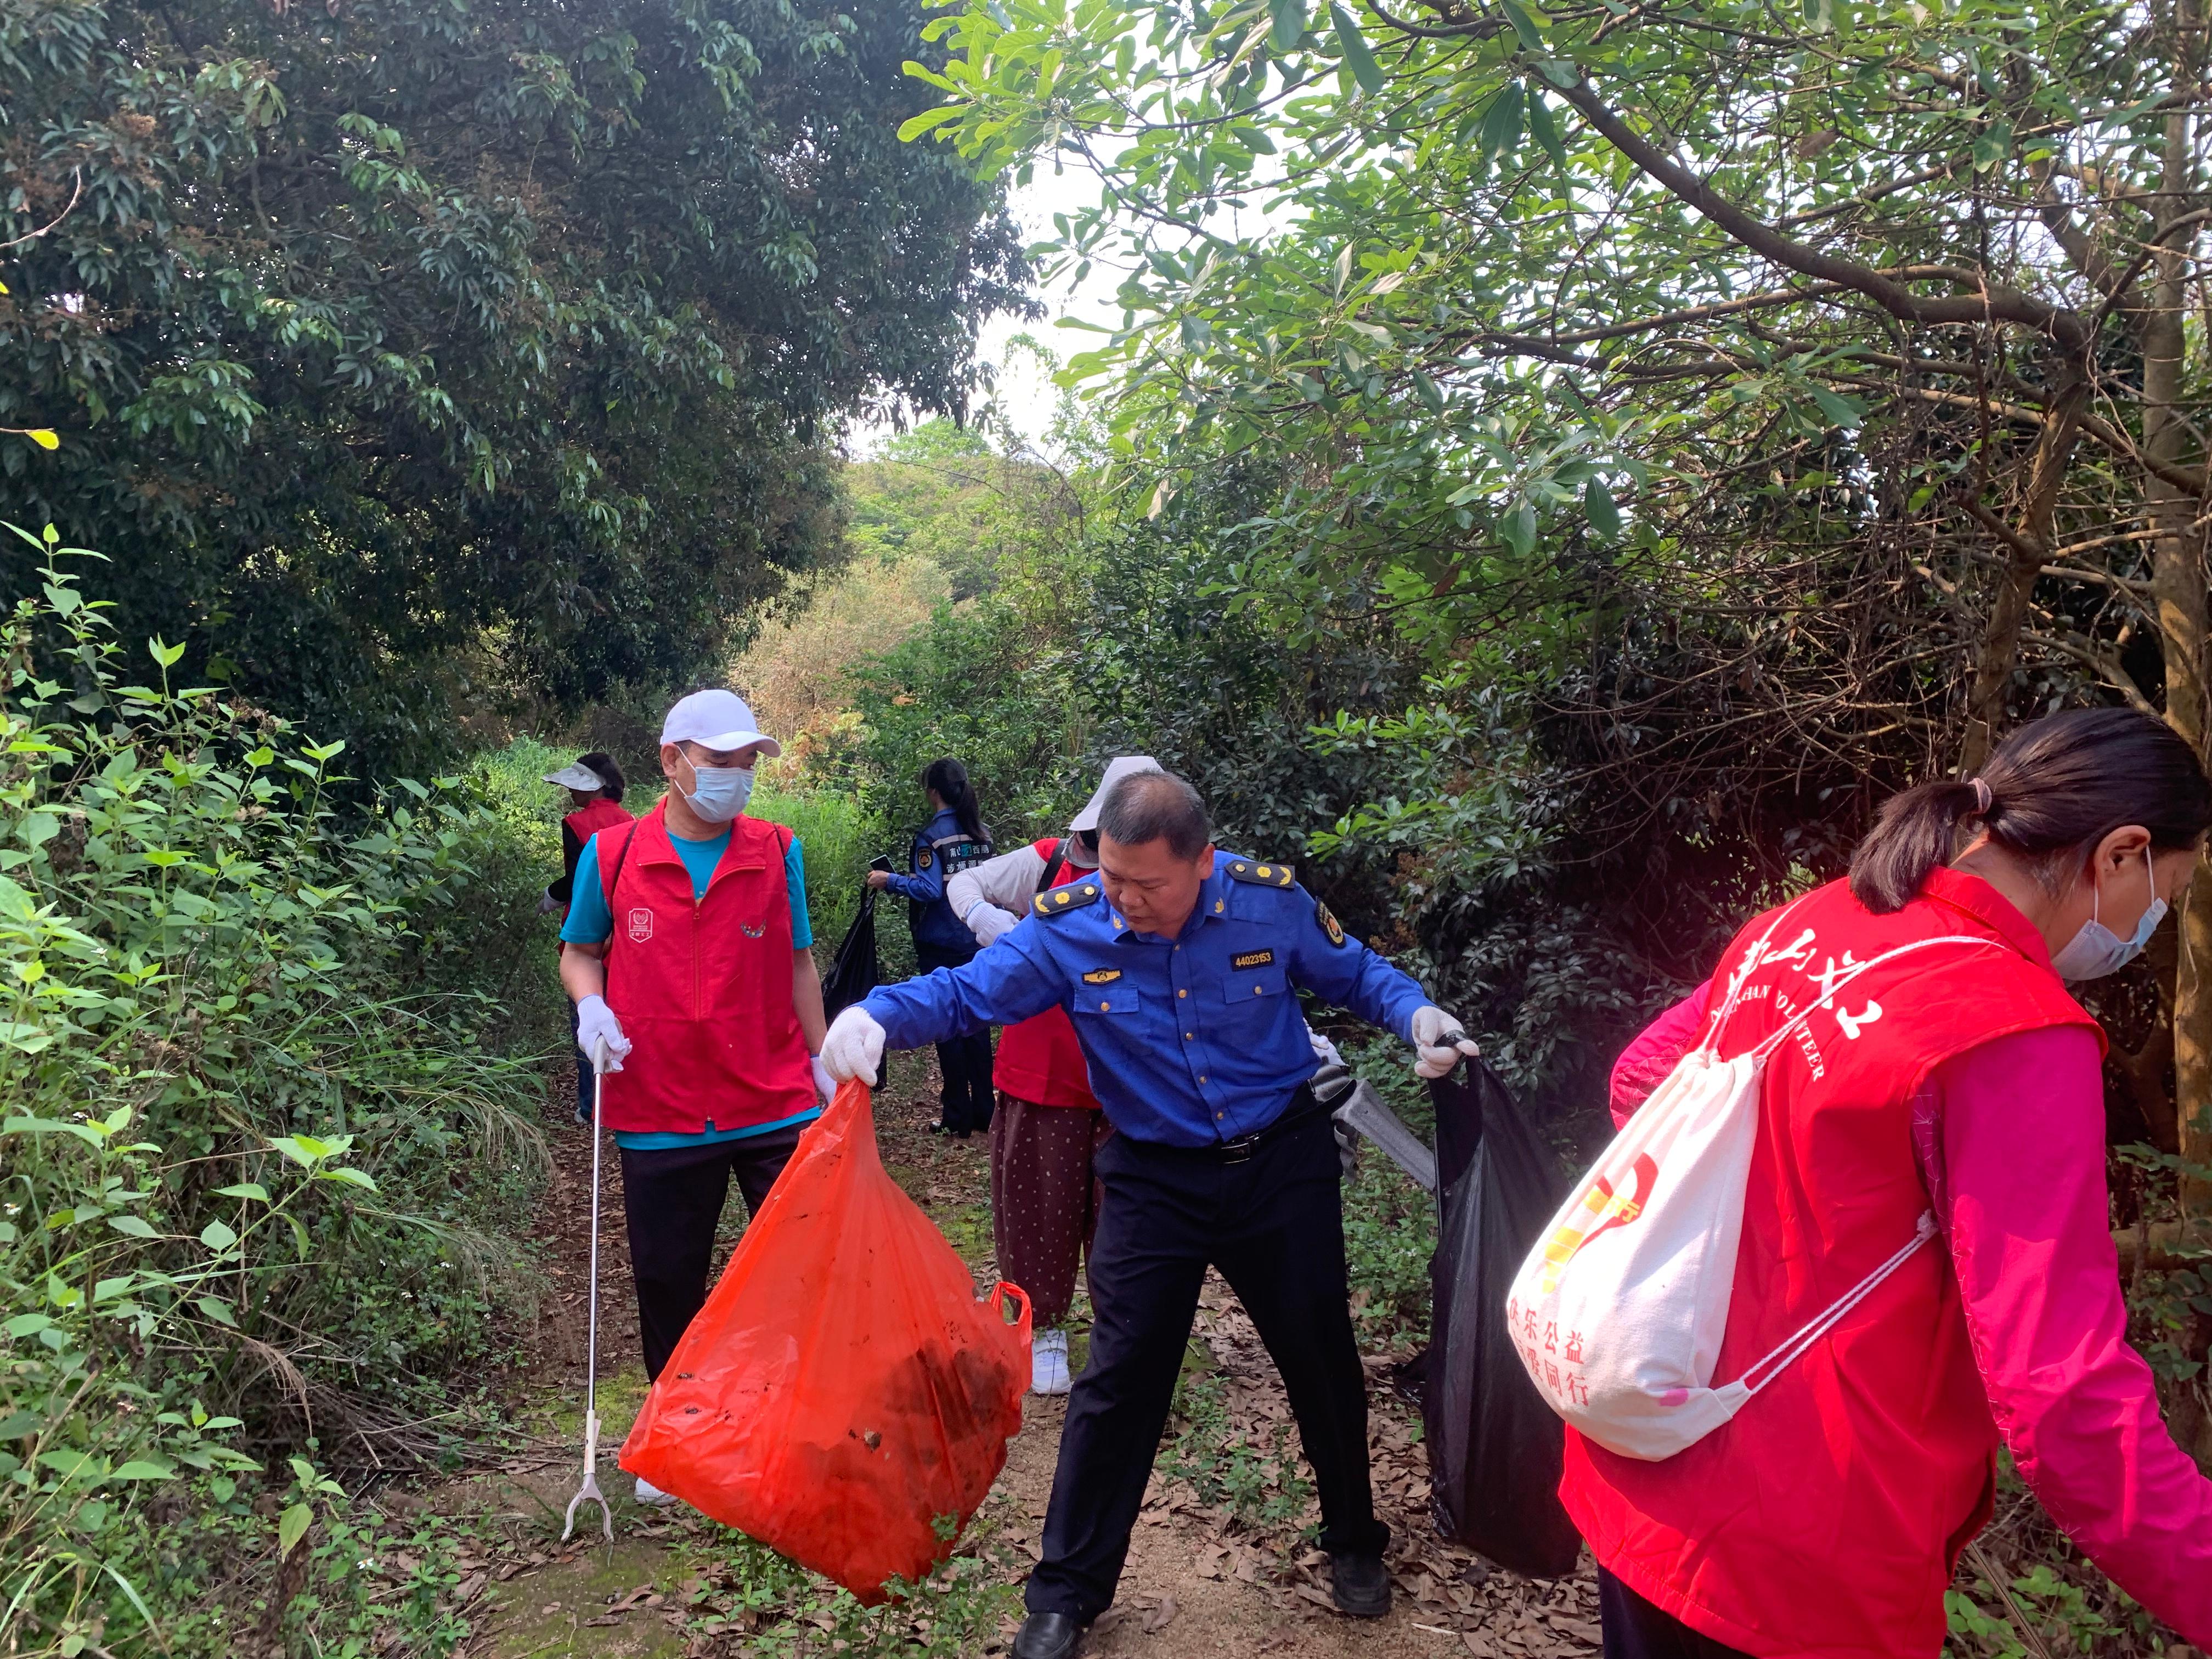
[1252, 959]
[750, 931]
[1329, 924]
[1101, 976]
[640, 925]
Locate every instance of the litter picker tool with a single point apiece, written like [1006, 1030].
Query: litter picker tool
[590, 1489]
[1365, 1112]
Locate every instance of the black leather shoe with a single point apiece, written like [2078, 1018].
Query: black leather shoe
[1048, 1636]
[1361, 1583]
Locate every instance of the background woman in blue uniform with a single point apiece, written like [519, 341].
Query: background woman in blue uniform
[955, 838]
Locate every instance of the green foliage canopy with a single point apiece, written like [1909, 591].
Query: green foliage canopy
[396, 346]
[1758, 391]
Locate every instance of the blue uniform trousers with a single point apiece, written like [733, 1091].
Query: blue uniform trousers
[1273, 1224]
[965, 1062]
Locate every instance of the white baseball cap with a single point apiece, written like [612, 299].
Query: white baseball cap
[1117, 770]
[716, 720]
[576, 775]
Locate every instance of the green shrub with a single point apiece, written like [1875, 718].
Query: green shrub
[838, 840]
[257, 1142]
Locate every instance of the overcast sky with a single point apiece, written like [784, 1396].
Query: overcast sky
[1026, 394]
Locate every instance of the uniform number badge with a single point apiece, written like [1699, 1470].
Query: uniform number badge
[641, 924]
[1329, 924]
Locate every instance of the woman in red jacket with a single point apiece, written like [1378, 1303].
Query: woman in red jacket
[1825, 1518]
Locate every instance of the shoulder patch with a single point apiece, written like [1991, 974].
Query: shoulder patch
[1329, 924]
[1261, 875]
[923, 859]
[1071, 895]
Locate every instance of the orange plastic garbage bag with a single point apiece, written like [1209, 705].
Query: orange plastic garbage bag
[844, 1388]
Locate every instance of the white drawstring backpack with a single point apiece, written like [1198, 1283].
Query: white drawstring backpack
[1618, 1312]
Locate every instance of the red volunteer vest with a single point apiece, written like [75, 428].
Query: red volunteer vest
[1824, 1519]
[701, 987]
[587, 821]
[1039, 1059]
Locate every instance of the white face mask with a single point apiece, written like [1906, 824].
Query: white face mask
[718, 794]
[2097, 950]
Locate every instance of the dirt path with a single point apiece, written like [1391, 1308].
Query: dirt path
[1216, 1567]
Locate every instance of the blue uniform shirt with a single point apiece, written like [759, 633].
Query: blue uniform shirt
[938, 848]
[1190, 1041]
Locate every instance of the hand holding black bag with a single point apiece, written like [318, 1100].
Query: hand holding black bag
[854, 974]
[1495, 1446]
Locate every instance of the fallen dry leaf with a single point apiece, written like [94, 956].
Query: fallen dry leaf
[1157, 1619]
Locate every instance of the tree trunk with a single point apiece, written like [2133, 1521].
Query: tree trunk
[2178, 583]
[2178, 588]
[1998, 652]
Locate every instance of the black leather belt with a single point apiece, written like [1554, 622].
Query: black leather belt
[1303, 1110]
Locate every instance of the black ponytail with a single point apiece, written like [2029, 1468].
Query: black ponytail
[950, 779]
[2052, 790]
[601, 765]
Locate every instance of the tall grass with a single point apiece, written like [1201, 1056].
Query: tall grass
[263, 1129]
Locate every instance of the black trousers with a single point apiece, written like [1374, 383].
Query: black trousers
[673, 1202]
[1274, 1227]
[1634, 1629]
[965, 1062]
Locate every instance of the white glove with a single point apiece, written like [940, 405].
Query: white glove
[1324, 1050]
[989, 923]
[855, 1047]
[547, 904]
[1441, 1040]
[824, 1084]
[595, 1023]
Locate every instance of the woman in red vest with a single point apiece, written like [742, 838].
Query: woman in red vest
[688, 954]
[595, 784]
[1825, 1518]
[1045, 1197]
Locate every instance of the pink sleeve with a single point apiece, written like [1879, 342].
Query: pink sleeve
[2023, 1147]
[1645, 1063]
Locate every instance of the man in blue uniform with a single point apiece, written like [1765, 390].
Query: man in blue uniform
[1179, 965]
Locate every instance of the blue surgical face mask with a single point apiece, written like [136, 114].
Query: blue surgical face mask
[2097, 950]
[718, 794]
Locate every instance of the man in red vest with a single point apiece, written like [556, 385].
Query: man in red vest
[687, 952]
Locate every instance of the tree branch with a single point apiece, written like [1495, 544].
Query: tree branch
[78, 175]
[2105, 663]
[1994, 303]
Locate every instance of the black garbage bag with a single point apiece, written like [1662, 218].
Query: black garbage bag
[1494, 1445]
[854, 974]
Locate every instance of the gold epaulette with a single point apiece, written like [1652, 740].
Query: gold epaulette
[1262, 875]
[1058, 901]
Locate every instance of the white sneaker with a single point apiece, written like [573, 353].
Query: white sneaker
[649, 1493]
[1049, 1363]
